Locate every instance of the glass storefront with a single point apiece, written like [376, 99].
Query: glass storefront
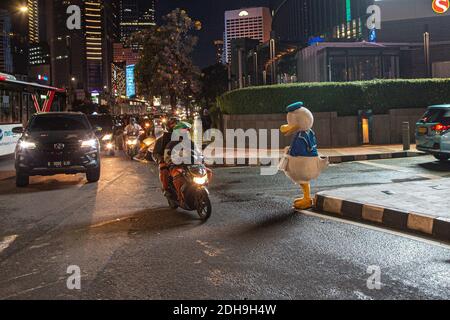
[360, 66]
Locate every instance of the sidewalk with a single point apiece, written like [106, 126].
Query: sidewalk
[422, 206]
[237, 156]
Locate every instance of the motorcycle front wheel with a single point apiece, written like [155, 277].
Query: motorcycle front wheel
[204, 207]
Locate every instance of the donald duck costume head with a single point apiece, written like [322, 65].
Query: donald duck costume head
[302, 160]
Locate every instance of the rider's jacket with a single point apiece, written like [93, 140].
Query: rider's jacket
[160, 146]
[187, 153]
[132, 129]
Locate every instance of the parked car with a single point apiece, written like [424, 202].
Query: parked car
[433, 132]
[54, 143]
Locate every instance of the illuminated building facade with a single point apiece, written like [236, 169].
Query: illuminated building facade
[135, 15]
[300, 20]
[251, 23]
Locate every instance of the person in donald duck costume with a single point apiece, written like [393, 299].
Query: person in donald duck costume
[301, 161]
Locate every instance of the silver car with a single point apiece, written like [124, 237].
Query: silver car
[433, 132]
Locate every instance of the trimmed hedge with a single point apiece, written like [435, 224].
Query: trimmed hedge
[344, 97]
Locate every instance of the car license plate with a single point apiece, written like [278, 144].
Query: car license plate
[58, 164]
[423, 130]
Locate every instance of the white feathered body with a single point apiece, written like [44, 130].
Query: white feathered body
[301, 170]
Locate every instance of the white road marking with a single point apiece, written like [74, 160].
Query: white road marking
[380, 229]
[6, 242]
[400, 169]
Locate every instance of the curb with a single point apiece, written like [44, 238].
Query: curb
[376, 156]
[249, 162]
[432, 226]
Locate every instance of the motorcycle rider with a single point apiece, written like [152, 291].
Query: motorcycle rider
[158, 153]
[176, 170]
[132, 129]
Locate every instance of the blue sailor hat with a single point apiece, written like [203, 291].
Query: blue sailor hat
[294, 106]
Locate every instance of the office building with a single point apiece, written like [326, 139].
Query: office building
[124, 54]
[300, 21]
[6, 63]
[218, 44]
[135, 15]
[81, 59]
[251, 23]
[33, 21]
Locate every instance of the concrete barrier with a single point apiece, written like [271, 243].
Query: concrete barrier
[333, 130]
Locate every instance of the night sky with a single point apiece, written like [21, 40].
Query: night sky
[211, 14]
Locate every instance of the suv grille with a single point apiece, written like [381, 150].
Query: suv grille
[70, 146]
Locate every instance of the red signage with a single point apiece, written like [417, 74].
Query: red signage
[441, 6]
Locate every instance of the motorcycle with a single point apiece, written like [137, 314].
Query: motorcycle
[196, 194]
[107, 144]
[132, 143]
[147, 146]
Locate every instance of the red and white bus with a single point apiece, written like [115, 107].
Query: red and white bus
[18, 101]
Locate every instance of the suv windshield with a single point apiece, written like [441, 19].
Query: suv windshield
[104, 122]
[59, 123]
[437, 116]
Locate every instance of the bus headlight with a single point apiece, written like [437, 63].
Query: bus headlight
[27, 145]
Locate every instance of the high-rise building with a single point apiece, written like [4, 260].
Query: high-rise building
[81, 59]
[38, 48]
[125, 54]
[300, 20]
[6, 63]
[135, 15]
[94, 34]
[33, 21]
[252, 23]
[219, 50]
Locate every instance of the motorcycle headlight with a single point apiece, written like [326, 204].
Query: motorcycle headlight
[92, 143]
[107, 137]
[132, 142]
[27, 145]
[200, 180]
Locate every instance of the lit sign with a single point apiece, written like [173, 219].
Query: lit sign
[129, 75]
[440, 6]
[373, 35]
[348, 10]
[243, 13]
[42, 77]
[315, 40]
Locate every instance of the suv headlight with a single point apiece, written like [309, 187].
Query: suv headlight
[27, 145]
[92, 143]
[107, 137]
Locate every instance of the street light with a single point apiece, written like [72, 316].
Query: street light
[23, 9]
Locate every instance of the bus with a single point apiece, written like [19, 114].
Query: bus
[18, 101]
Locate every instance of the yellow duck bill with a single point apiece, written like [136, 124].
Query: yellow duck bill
[288, 129]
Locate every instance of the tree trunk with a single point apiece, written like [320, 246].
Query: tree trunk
[173, 102]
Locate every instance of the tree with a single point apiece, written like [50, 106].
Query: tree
[214, 82]
[165, 67]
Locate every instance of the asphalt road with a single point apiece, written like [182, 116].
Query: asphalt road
[129, 245]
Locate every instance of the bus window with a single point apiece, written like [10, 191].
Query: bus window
[10, 107]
